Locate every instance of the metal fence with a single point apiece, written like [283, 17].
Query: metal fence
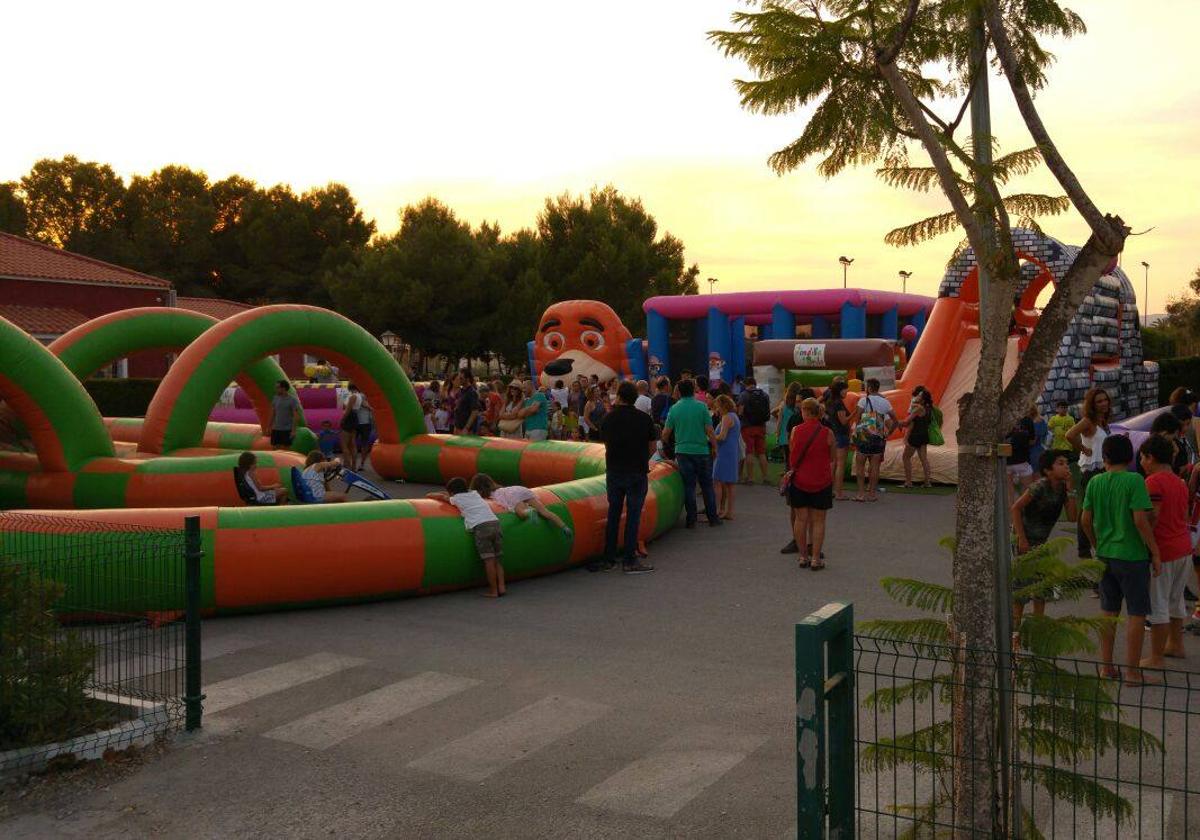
[1090, 758]
[95, 622]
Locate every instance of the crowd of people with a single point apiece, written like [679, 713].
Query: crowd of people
[1132, 509]
[1133, 519]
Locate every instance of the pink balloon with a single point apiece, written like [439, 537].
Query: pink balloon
[909, 333]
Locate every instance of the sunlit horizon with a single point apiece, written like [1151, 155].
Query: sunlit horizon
[493, 109]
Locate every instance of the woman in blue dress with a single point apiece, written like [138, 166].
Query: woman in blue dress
[725, 466]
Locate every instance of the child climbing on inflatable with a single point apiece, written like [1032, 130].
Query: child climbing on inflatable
[520, 500]
[484, 526]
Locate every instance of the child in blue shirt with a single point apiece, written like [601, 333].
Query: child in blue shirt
[327, 439]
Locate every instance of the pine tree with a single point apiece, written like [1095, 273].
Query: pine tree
[1064, 718]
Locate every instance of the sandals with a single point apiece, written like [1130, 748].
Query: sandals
[817, 565]
[806, 563]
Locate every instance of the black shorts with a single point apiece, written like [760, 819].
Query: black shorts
[281, 437]
[1125, 581]
[818, 500]
[872, 447]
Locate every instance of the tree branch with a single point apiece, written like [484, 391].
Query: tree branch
[941, 163]
[888, 55]
[1105, 234]
[1069, 292]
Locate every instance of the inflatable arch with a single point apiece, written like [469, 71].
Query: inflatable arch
[179, 412]
[101, 341]
[75, 464]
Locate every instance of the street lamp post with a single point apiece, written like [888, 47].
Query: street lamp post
[904, 275]
[1146, 297]
[845, 261]
[712, 281]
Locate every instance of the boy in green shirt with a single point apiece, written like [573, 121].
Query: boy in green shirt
[1116, 520]
[1059, 425]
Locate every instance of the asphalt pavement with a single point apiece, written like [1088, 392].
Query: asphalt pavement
[583, 705]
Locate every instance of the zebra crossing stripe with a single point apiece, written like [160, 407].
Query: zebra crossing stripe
[152, 660]
[232, 692]
[330, 726]
[660, 784]
[483, 752]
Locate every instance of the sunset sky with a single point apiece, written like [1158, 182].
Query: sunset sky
[491, 107]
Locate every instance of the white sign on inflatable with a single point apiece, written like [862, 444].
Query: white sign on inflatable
[770, 379]
[809, 355]
[886, 375]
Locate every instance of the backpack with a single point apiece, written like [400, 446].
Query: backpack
[757, 408]
[869, 428]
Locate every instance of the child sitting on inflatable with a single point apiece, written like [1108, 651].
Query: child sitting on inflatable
[248, 486]
[520, 500]
[315, 468]
[484, 527]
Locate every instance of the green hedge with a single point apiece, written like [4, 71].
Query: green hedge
[122, 397]
[1173, 373]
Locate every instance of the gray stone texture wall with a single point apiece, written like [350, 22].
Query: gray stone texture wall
[1104, 332]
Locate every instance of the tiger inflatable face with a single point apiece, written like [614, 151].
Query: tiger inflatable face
[580, 338]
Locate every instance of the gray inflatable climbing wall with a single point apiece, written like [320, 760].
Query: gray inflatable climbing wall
[1103, 344]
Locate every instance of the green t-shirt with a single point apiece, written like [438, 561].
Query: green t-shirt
[689, 422]
[1112, 497]
[540, 419]
[1059, 426]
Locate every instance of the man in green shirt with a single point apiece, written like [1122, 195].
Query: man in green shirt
[535, 411]
[1116, 520]
[690, 425]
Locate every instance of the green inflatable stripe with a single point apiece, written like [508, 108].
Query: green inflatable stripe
[69, 409]
[276, 517]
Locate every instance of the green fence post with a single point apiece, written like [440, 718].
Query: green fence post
[825, 738]
[842, 720]
[193, 554]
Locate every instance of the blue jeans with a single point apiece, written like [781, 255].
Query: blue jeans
[693, 468]
[625, 490]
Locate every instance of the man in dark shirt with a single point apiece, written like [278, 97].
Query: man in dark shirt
[660, 404]
[466, 409]
[628, 435]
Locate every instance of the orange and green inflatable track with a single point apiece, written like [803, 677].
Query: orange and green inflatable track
[175, 463]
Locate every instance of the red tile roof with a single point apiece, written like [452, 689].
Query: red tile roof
[24, 258]
[42, 320]
[218, 308]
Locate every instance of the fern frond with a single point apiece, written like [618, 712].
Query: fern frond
[1077, 730]
[916, 178]
[1033, 204]
[929, 597]
[913, 630]
[1040, 677]
[1079, 790]
[922, 231]
[1031, 831]
[1020, 162]
[917, 691]
[930, 748]
[1046, 636]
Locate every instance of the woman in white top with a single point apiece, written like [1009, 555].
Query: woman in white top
[510, 423]
[1088, 437]
[315, 467]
